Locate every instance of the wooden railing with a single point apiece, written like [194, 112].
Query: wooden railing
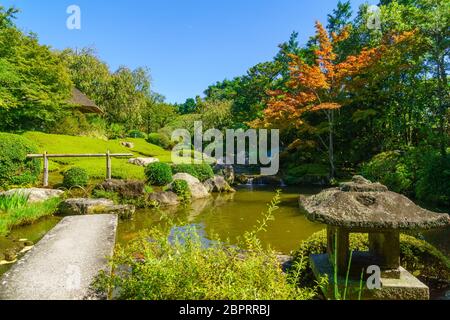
[106, 155]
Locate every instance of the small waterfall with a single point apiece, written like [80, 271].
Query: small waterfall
[264, 181]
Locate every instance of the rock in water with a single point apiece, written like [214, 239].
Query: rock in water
[35, 194]
[82, 206]
[198, 190]
[125, 188]
[168, 198]
[218, 184]
[143, 162]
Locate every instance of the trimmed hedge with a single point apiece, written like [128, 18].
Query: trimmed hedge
[417, 256]
[202, 172]
[15, 168]
[158, 174]
[75, 177]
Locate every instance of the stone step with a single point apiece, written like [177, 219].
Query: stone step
[64, 263]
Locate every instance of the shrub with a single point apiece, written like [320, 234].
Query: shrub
[299, 173]
[417, 256]
[160, 139]
[416, 172]
[15, 168]
[202, 172]
[137, 134]
[75, 177]
[116, 131]
[158, 173]
[434, 181]
[390, 169]
[181, 188]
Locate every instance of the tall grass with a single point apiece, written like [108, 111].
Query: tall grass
[27, 214]
[163, 264]
[13, 201]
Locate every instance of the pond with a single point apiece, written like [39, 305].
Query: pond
[231, 215]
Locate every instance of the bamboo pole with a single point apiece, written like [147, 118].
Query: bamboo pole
[45, 169]
[108, 165]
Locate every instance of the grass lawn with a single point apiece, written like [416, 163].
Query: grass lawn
[96, 167]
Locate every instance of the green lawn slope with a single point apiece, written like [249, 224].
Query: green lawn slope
[96, 167]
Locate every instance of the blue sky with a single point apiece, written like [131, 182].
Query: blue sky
[186, 44]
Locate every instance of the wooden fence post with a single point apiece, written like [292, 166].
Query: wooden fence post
[45, 169]
[108, 165]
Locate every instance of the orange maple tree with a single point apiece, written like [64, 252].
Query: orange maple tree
[320, 87]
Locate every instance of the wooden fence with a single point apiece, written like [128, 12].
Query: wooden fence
[106, 155]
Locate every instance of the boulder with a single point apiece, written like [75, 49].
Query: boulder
[35, 194]
[142, 162]
[218, 184]
[167, 198]
[227, 171]
[124, 212]
[198, 190]
[80, 206]
[128, 144]
[125, 188]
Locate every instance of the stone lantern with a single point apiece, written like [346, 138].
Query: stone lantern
[360, 206]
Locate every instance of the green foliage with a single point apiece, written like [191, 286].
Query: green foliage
[137, 134]
[25, 215]
[75, 177]
[433, 184]
[158, 174]
[416, 172]
[417, 256]
[390, 169]
[13, 201]
[177, 264]
[181, 188]
[103, 194]
[15, 168]
[297, 173]
[123, 93]
[202, 172]
[157, 115]
[34, 83]
[160, 139]
[73, 124]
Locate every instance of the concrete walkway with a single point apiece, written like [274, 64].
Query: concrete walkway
[64, 263]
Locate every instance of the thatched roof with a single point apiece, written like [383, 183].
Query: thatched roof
[361, 204]
[83, 103]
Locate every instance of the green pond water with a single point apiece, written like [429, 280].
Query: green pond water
[231, 215]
